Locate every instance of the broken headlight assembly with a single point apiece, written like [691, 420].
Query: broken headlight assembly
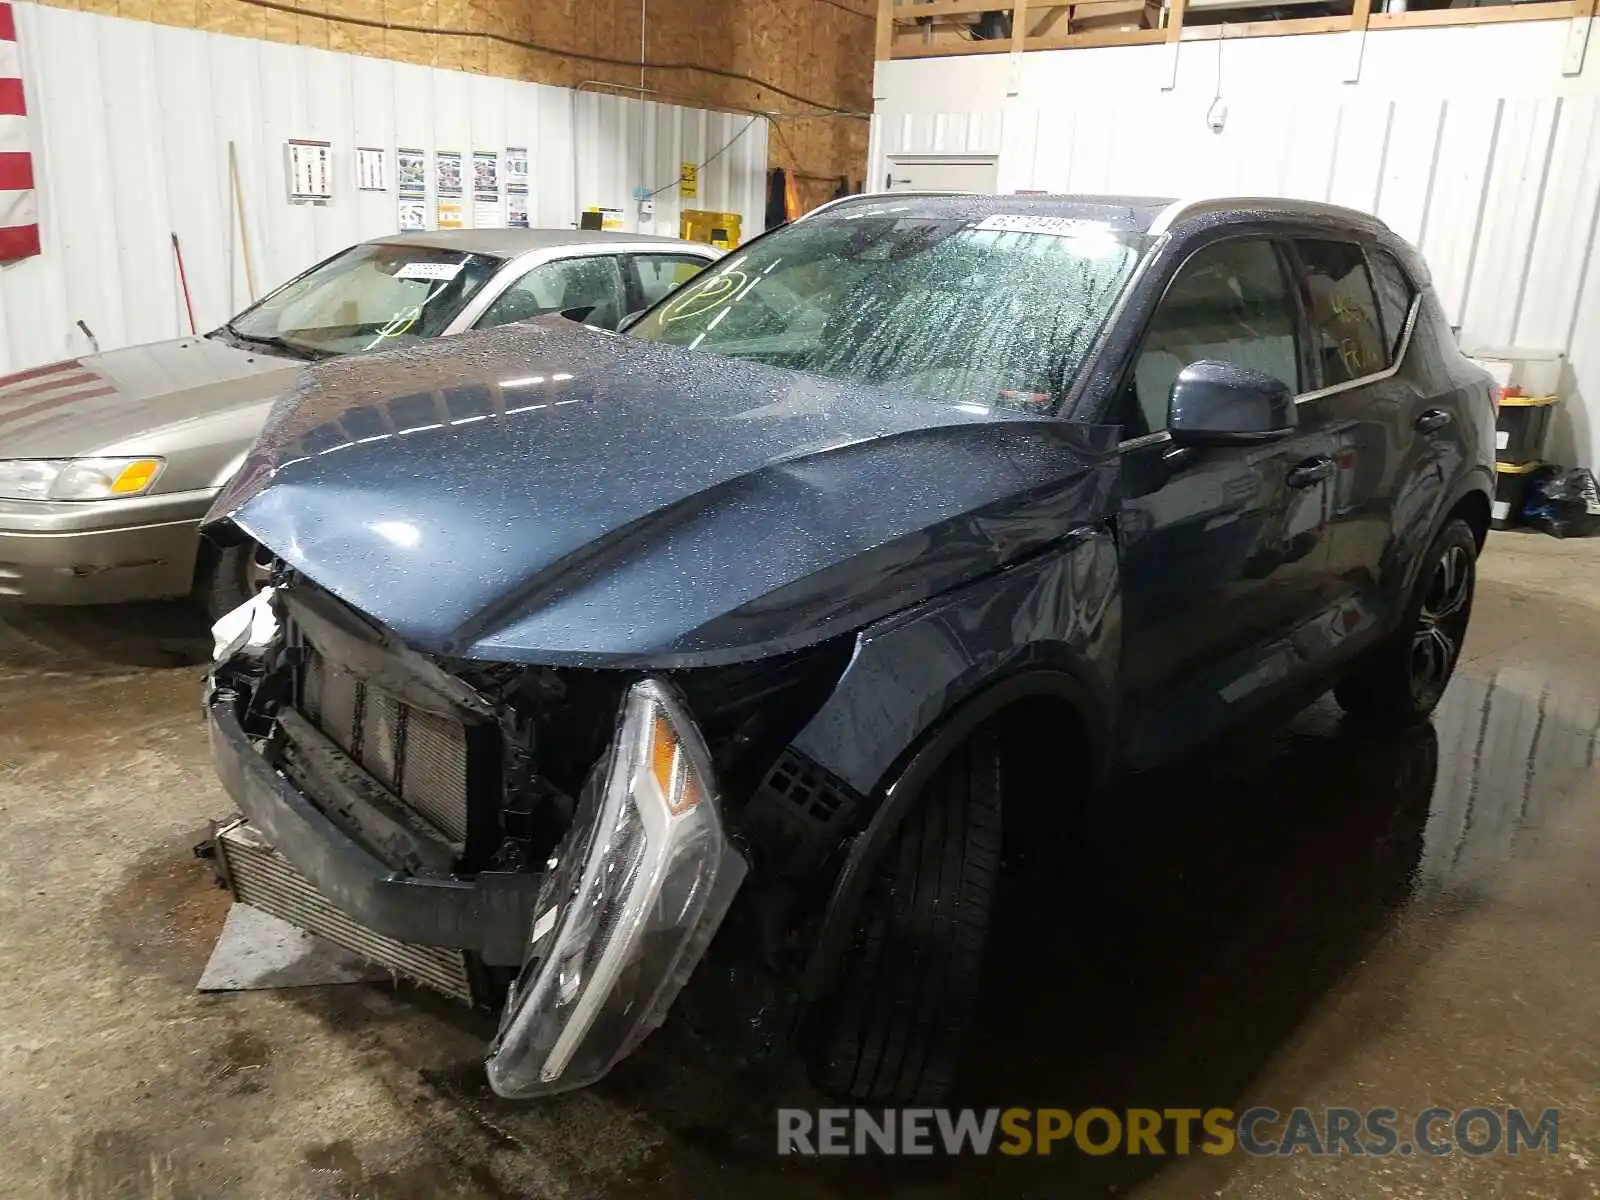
[635, 893]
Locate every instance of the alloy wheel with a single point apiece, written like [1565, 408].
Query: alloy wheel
[1442, 622]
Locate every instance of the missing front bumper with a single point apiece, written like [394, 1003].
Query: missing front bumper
[606, 939]
[488, 915]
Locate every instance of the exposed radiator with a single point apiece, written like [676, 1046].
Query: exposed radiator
[263, 878]
[420, 757]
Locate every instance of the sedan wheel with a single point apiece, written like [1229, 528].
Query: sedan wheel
[257, 568]
[232, 575]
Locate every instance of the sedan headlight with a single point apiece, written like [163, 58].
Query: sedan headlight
[633, 898]
[77, 478]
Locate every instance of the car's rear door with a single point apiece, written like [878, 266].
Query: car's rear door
[1384, 427]
[1223, 548]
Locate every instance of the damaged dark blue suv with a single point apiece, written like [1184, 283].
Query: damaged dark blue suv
[745, 631]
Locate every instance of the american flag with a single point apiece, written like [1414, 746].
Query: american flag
[19, 211]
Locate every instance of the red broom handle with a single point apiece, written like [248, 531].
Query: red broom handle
[183, 280]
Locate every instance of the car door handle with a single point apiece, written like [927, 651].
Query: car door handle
[1313, 470]
[1432, 420]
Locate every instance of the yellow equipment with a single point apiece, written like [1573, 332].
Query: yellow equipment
[720, 229]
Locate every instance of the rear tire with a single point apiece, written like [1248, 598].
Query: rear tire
[229, 576]
[1402, 682]
[892, 1032]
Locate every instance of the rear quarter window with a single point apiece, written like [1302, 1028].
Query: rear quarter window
[1395, 296]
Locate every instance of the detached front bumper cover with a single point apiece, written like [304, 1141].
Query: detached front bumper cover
[635, 894]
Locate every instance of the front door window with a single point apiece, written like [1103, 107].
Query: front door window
[1230, 301]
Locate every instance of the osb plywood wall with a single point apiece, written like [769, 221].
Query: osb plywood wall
[819, 52]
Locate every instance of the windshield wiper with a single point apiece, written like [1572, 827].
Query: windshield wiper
[298, 350]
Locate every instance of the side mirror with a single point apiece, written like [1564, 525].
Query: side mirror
[579, 312]
[1222, 404]
[632, 319]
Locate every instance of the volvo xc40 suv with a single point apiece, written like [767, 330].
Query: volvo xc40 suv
[755, 631]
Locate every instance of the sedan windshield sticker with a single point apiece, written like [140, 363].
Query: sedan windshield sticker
[428, 270]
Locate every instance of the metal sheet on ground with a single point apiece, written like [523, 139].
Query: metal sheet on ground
[258, 950]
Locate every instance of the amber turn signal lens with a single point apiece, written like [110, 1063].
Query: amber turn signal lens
[135, 477]
[663, 755]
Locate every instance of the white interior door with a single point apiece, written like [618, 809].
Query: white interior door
[942, 173]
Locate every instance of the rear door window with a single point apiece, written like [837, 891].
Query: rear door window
[1346, 333]
[658, 274]
[1395, 295]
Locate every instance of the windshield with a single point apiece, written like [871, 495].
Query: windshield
[998, 311]
[368, 298]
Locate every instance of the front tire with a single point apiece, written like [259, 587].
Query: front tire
[1402, 683]
[231, 575]
[893, 1030]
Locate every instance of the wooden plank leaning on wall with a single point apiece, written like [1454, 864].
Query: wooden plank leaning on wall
[1045, 34]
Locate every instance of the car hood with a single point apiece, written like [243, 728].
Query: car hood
[103, 402]
[551, 493]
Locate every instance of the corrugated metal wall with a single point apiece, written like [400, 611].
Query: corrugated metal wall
[1470, 142]
[820, 50]
[131, 123]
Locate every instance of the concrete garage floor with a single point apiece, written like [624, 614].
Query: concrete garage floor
[1312, 919]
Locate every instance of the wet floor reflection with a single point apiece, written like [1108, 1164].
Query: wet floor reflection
[1511, 747]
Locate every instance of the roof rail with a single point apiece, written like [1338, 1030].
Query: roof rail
[1282, 205]
[1169, 215]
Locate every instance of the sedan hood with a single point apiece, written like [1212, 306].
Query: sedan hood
[552, 493]
[102, 403]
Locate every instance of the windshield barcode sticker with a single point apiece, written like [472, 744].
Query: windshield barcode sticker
[428, 270]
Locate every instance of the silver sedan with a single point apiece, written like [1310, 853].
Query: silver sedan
[108, 462]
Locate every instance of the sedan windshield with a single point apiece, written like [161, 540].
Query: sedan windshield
[368, 298]
[998, 311]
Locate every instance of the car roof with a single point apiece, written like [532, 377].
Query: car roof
[1136, 214]
[1132, 213]
[508, 243]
